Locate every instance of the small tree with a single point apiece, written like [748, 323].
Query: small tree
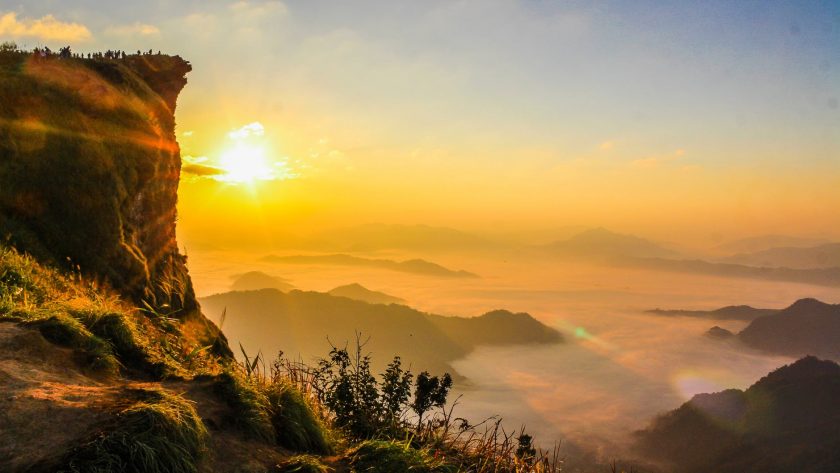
[396, 388]
[525, 450]
[430, 391]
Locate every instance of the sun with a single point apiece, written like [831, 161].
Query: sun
[246, 164]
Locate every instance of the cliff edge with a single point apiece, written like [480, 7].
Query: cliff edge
[89, 170]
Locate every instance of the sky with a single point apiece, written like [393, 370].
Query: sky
[692, 121]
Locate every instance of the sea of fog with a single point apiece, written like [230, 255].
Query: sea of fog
[619, 366]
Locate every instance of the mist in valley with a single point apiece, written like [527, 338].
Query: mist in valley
[617, 367]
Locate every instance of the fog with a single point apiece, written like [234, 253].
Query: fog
[619, 366]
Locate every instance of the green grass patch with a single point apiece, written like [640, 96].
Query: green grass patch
[92, 352]
[79, 315]
[162, 433]
[303, 464]
[386, 456]
[296, 426]
[251, 408]
[121, 332]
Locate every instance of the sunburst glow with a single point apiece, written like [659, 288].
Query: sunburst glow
[245, 163]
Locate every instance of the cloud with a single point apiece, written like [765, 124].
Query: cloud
[135, 29]
[258, 8]
[251, 129]
[46, 28]
[655, 161]
[201, 170]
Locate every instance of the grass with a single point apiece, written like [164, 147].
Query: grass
[108, 335]
[251, 407]
[162, 433]
[386, 456]
[303, 464]
[296, 425]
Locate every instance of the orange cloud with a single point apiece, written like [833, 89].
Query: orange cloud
[47, 28]
[135, 29]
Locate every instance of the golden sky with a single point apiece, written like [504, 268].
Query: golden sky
[679, 122]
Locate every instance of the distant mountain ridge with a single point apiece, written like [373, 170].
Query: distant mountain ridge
[785, 422]
[602, 243]
[819, 276]
[822, 256]
[360, 293]
[300, 322]
[380, 236]
[765, 242]
[414, 266]
[731, 312]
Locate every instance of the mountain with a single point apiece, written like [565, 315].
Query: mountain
[731, 312]
[253, 280]
[785, 422]
[600, 243]
[360, 293]
[807, 327]
[765, 242]
[414, 266]
[822, 256]
[302, 323]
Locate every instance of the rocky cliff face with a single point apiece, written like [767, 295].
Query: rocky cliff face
[89, 169]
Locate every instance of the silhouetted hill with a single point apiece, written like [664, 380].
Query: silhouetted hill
[731, 312]
[822, 256]
[360, 293]
[764, 242]
[786, 422]
[719, 333]
[301, 323]
[414, 266]
[601, 243]
[253, 280]
[807, 327]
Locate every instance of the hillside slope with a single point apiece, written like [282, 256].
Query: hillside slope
[785, 422]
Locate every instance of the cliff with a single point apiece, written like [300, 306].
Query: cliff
[89, 170]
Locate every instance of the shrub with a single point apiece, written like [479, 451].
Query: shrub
[162, 433]
[366, 408]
